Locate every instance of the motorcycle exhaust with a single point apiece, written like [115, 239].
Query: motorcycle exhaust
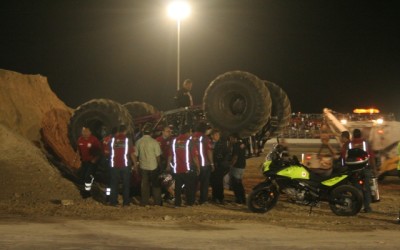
[374, 189]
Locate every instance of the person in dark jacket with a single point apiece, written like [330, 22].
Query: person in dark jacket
[359, 142]
[205, 157]
[238, 164]
[221, 166]
[90, 151]
[183, 97]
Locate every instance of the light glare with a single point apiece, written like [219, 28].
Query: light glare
[178, 10]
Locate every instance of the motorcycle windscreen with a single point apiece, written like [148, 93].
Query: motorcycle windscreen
[266, 165]
[295, 172]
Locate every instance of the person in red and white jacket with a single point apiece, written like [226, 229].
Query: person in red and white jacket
[106, 161]
[184, 165]
[358, 142]
[165, 140]
[203, 146]
[122, 157]
[90, 150]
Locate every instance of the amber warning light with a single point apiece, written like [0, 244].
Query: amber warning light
[366, 111]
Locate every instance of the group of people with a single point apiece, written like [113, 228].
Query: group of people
[347, 143]
[117, 152]
[168, 165]
[194, 160]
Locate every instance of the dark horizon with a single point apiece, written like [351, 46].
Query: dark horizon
[336, 54]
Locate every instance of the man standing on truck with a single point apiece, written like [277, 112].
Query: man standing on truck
[183, 97]
[89, 148]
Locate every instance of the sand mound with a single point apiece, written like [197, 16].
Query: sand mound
[29, 107]
[33, 122]
[26, 174]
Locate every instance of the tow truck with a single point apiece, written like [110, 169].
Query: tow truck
[381, 131]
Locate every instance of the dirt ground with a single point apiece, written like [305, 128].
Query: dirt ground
[39, 209]
[86, 223]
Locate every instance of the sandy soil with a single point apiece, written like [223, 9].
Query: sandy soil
[39, 209]
[25, 222]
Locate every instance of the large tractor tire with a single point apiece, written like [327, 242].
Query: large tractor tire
[98, 114]
[281, 109]
[237, 102]
[140, 109]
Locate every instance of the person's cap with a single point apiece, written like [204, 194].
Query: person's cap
[147, 128]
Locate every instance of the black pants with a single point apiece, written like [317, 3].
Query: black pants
[189, 181]
[217, 183]
[367, 188]
[204, 181]
[237, 185]
[86, 174]
[151, 181]
[116, 175]
[87, 170]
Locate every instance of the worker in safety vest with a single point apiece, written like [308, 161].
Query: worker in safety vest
[184, 165]
[89, 148]
[359, 142]
[122, 158]
[398, 172]
[398, 154]
[203, 146]
[165, 140]
[106, 160]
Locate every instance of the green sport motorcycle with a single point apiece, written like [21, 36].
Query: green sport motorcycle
[302, 186]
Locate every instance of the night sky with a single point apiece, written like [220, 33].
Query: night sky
[336, 54]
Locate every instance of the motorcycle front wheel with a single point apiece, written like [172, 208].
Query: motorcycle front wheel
[346, 200]
[262, 199]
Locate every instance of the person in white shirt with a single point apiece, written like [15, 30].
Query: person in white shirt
[148, 152]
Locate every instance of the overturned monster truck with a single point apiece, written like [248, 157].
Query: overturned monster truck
[234, 102]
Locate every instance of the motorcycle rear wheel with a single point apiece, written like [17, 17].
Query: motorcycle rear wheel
[346, 200]
[263, 199]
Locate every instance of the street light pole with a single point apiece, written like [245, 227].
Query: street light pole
[178, 10]
[178, 49]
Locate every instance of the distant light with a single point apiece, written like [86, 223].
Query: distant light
[379, 121]
[380, 131]
[366, 111]
[343, 121]
[178, 10]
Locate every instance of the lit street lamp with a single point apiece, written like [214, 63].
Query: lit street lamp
[178, 10]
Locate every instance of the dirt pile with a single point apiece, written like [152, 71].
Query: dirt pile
[29, 107]
[26, 174]
[32, 119]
